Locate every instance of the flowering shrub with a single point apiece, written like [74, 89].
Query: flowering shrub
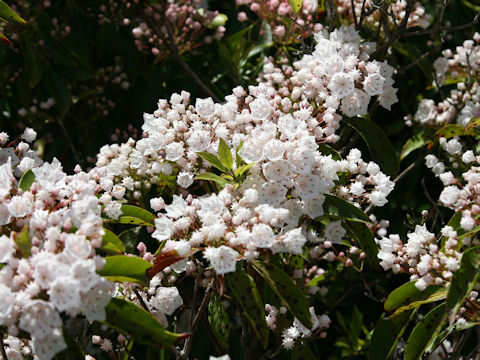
[252, 226]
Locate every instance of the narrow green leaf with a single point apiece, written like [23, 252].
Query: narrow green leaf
[130, 319]
[8, 14]
[380, 147]
[246, 293]
[452, 130]
[225, 155]
[219, 321]
[26, 180]
[339, 208]
[126, 268]
[111, 243]
[436, 296]
[23, 242]
[138, 212]
[130, 220]
[212, 177]
[4, 39]
[316, 280]
[473, 123]
[286, 289]
[386, 334]
[408, 294]
[328, 150]
[213, 160]
[364, 238]
[415, 142]
[296, 5]
[242, 169]
[463, 282]
[425, 332]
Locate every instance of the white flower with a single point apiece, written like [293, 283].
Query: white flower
[334, 232]
[223, 258]
[341, 85]
[373, 84]
[356, 103]
[262, 236]
[29, 135]
[449, 195]
[260, 108]
[185, 179]
[205, 107]
[164, 228]
[167, 300]
[7, 248]
[8, 302]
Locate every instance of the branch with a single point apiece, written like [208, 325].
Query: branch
[2, 348]
[176, 55]
[475, 20]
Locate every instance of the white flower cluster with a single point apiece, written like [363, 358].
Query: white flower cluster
[289, 176]
[297, 330]
[462, 103]
[418, 16]
[422, 256]
[337, 76]
[48, 237]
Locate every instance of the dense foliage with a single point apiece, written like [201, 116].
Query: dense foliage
[239, 179]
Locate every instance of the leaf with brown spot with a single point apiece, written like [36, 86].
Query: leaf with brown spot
[167, 258]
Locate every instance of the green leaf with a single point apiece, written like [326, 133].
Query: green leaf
[213, 160]
[415, 142]
[473, 123]
[126, 268]
[296, 5]
[8, 14]
[246, 293]
[339, 208]
[286, 289]
[463, 282]
[23, 242]
[242, 169]
[73, 350]
[111, 243]
[380, 147]
[425, 332]
[212, 177]
[130, 220]
[364, 238]
[130, 319]
[219, 321]
[386, 334]
[327, 150]
[138, 212]
[26, 180]
[452, 130]
[316, 280]
[408, 294]
[225, 155]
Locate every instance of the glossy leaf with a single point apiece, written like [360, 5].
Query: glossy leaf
[23, 242]
[212, 177]
[213, 160]
[408, 294]
[130, 220]
[225, 155]
[219, 321]
[4, 39]
[327, 150]
[380, 147]
[364, 238]
[126, 268]
[424, 333]
[26, 180]
[286, 289]
[7, 14]
[296, 5]
[339, 208]
[111, 243]
[242, 169]
[138, 212]
[463, 282]
[245, 291]
[386, 334]
[130, 319]
[452, 130]
[473, 123]
[415, 142]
